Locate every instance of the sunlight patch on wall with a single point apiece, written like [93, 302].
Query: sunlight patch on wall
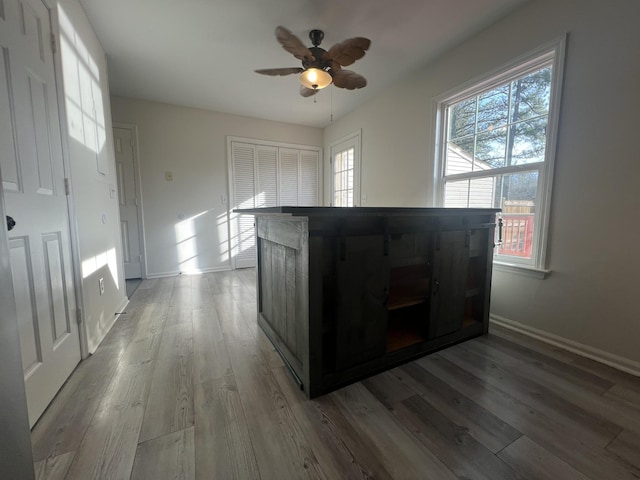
[186, 243]
[84, 102]
[93, 264]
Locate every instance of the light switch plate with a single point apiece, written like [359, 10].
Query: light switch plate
[168, 176]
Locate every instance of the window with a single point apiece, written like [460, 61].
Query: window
[495, 149]
[343, 178]
[345, 169]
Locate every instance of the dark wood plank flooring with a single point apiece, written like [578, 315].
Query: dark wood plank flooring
[186, 386]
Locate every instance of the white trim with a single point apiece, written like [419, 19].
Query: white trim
[526, 270]
[353, 139]
[189, 272]
[615, 361]
[536, 57]
[138, 190]
[272, 143]
[544, 209]
[552, 53]
[119, 311]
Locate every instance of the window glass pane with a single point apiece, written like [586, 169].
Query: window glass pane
[530, 95]
[482, 192]
[343, 164]
[493, 108]
[459, 156]
[529, 141]
[501, 127]
[517, 196]
[462, 118]
[456, 194]
[490, 149]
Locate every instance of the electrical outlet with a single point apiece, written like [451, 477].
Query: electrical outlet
[101, 285]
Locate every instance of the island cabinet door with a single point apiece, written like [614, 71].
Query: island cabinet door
[362, 272]
[448, 291]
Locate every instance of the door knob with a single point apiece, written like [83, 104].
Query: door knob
[10, 223]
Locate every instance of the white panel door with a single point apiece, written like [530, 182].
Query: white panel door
[33, 184]
[128, 200]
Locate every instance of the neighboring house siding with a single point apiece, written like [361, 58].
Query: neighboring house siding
[456, 192]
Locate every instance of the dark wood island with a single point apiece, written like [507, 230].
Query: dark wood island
[344, 293]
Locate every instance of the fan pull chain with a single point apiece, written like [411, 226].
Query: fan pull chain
[331, 103]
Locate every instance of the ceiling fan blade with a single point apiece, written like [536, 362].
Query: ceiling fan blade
[348, 51]
[279, 71]
[292, 44]
[348, 79]
[307, 92]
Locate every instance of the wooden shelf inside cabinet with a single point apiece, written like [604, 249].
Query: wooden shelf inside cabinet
[408, 286]
[468, 322]
[403, 334]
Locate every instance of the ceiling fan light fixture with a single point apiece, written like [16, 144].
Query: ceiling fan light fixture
[315, 78]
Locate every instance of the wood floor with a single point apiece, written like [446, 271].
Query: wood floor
[186, 386]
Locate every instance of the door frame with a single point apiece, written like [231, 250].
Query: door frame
[76, 259]
[138, 187]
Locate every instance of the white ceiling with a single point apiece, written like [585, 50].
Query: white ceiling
[202, 53]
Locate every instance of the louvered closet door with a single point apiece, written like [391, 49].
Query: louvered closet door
[243, 242]
[289, 172]
[268, 176]
[255, 180]
[309, 184]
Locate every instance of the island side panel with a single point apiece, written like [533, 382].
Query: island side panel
[283, 288]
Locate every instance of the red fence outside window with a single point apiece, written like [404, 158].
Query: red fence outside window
[517, 235]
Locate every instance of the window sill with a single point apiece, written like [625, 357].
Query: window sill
[524, 270]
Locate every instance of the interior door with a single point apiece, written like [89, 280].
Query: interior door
[129, 203]
[34, 191]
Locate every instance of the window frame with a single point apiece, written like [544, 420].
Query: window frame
[551, 53]
[353, 140]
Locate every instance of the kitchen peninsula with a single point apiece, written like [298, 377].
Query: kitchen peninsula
[344, 293]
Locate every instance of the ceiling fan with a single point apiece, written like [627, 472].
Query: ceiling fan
[320, 68]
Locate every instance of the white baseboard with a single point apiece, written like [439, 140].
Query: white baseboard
[620, 363]
[91, 347]
[225, 268]
[121, 308]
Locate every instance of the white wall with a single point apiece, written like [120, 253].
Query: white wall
[191, 143]
[591, 296]
[97, 216]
